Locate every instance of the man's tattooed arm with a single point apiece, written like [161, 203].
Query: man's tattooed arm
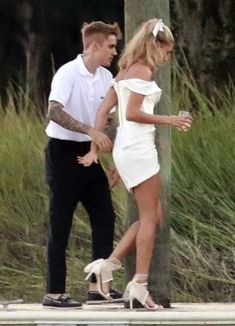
[58, 115]
[62, 118]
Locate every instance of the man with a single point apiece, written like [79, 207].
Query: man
[77, 90]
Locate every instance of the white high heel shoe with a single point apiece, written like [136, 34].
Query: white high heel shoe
[139, 292]
[103, 268]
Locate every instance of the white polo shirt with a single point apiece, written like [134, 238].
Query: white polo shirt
[81, 94]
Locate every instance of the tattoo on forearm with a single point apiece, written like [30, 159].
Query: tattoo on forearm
[62, 118]
[111, 128]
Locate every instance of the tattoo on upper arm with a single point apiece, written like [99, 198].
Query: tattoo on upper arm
[62, 118]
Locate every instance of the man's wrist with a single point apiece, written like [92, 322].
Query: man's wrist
[91, 131]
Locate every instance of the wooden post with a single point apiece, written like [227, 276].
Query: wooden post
[137, 12]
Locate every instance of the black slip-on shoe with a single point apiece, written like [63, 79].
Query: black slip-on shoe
[115, 294]
[64, 301]
[93, 297]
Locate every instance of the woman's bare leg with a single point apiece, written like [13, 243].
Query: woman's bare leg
[147, 197]
[141, 234]
[127, 242]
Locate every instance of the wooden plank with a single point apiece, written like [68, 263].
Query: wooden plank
[114, 314]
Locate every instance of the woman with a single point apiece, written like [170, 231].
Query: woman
[135, 154]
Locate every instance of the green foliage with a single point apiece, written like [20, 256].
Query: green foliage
[203, 197]
[202, 210]
[22, 200]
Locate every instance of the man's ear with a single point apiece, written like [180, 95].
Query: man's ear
[98, 44]
[95, 45]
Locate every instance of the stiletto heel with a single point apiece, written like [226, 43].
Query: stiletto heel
[102, 268]
[131, 303]
[93, 268]
[139, 292]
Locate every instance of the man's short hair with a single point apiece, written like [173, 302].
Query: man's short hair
[99, 31]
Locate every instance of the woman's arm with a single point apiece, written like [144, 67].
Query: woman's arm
[108, 103]
[102, 116]
[134, 112]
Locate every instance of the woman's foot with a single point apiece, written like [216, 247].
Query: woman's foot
[103, 268]
[94, 297]
[137, 290]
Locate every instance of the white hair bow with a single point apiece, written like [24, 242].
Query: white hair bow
[158, 27]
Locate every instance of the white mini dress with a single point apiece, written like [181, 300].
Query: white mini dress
[134, 150]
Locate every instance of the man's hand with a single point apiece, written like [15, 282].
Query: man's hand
[101, 140]
[57, 114]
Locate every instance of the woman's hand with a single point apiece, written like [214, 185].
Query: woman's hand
[88, 159]
[181, 122]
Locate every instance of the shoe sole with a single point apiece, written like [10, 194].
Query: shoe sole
[104, 301]
[63, 308]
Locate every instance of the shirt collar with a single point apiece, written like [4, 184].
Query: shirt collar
[81, 66]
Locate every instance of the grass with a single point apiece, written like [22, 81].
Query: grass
[203, 199]
[202, 210]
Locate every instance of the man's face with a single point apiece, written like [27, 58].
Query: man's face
[106, 50]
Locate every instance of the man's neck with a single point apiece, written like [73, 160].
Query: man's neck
[89, 62]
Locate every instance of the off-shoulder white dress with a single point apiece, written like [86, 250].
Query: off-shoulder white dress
[134, 150]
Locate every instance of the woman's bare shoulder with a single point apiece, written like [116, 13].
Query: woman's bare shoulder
[137, 70]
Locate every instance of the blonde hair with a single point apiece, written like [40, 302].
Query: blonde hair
[99, 31]
[143, 46]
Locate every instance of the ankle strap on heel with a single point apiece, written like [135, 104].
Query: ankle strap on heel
[141, 279]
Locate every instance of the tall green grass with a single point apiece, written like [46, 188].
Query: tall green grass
[22, 199]
[203, 196]
[202, 209]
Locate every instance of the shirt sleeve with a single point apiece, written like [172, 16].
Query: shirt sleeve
[61, 86]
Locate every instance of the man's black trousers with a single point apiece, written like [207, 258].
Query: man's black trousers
[70, 183]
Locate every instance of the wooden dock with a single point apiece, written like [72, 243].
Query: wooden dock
[115, 314]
